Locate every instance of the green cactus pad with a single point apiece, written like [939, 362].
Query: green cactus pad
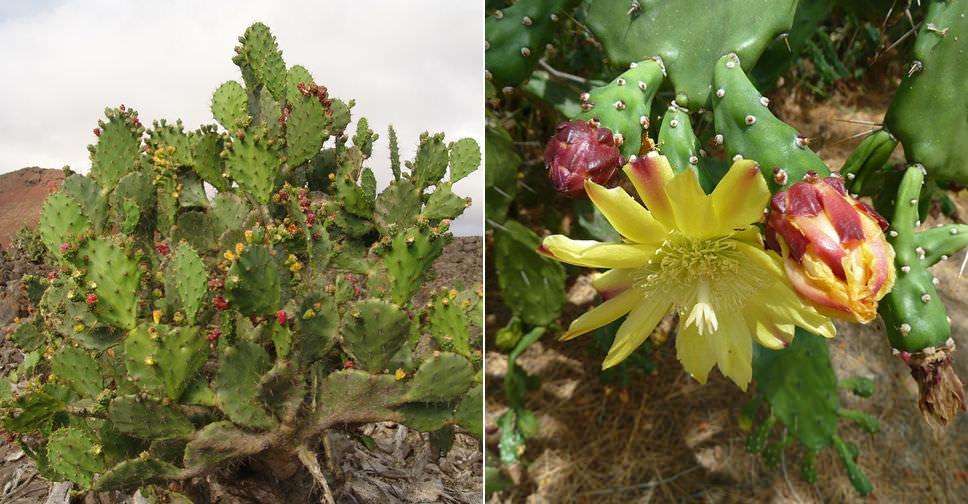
[86, 192]
[688, 35]
[185, 276]
[426, 417]
[857, 478]
[372, 331]
[624, 105]
[409, 258]
[266, 112]
[397, 206]
[470, 411]
[296, 74]
[146, 418]
[501, 164]
[936, 136]
[532, 286]
[27, 337]
[132, 473]
[75, 455]
[252, 284]
[135, 187]
[164, 135]
[516, 38]
[115, 278]
[860, 170]
[801, 387]
[197, 229]
[750, 130]
[679, 144]
[62, 219]
[261, 61]
[430, 163]
[252, 162]
[282, 390]
[364, 138]
[352, 395]
[240, 368]
[444, 204]
[914, 316]
[227, 211]
[315, 327]
[448, 323]
[230, 107]
[118, 148]
[206, 149]
[465, 158]
[394, 154]
[305, 128]
[442, 378]
[165, 356]
[37, 413]
[78, 370]
[34, 287]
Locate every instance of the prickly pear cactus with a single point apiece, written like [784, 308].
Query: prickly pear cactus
[188, 328]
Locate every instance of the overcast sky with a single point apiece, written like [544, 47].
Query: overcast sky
[415, 64]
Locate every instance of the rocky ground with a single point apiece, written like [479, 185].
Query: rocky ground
[21, 195]
[402, 468]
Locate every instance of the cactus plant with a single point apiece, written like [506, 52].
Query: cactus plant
[705, 79]
[188, 329]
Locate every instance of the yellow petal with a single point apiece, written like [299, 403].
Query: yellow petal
[603, 314]
[734, 353]
[650, 174]
[768, 260]
[695, 353]
[770, 334]
[595, 254]
[627, 216]
[636, 329]
[787, 308]
[741, 195]
[614, 281]
[691, 207]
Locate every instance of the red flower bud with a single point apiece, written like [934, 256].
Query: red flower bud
[348, 365]
[833, 248]
[581, 151]
[91, 299]
[163, 248]
[212, 336]
[281, 317]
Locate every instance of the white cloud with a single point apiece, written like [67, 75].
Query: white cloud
[416, 65]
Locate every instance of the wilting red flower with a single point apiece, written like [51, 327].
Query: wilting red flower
[833, 248]
[581, 151]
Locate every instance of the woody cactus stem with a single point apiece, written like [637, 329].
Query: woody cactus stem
[915, 318]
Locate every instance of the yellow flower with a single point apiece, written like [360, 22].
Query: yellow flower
[695, 254]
